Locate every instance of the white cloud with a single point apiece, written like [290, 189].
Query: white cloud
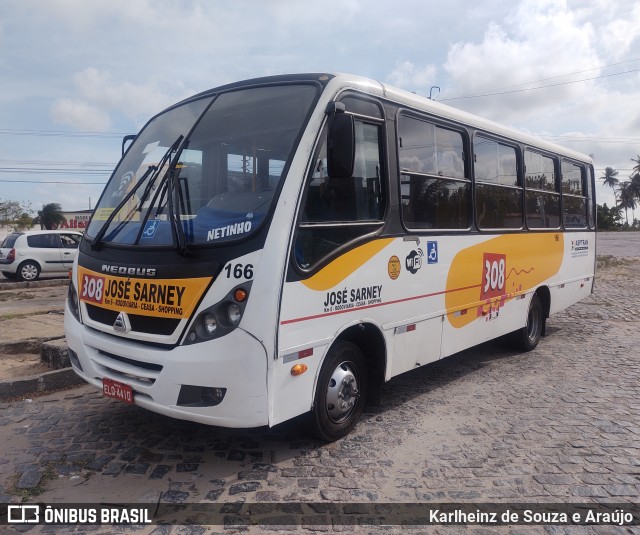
[618, 29]
[133, 100]
[99, 96]
[111, 64]
[539, 40]
[80, 115]
[407, 76]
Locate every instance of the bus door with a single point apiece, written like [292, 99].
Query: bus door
[337, 274]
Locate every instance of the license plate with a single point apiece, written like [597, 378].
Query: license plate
[115, 390]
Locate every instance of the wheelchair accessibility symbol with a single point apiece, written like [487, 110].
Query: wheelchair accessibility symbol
[150, 228]
[432, 252]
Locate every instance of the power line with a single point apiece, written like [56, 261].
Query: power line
[36, 171]
[570, 74]
[57, 162]
[53, 182]
[59, 133]
[496, 93]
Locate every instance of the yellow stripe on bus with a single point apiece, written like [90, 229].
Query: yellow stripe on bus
[495, 271]
[343, 266]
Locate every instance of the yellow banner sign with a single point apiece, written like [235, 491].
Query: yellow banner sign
[166, 298]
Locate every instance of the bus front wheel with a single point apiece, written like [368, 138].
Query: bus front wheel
[528, 337]
[340, 392]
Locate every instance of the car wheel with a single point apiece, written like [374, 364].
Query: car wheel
[340, 393]
[28, 271]
[527, 338]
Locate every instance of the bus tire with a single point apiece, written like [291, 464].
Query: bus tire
[527, 338]
[340, 393]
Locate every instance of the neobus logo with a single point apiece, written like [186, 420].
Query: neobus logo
[124, 270]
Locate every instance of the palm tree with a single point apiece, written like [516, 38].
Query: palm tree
[50, 217]
[610, 179]
[635, 185]
[636, 169]
[627, 199]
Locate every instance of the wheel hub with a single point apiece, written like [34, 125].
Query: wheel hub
[342, 393]
[532, 325]
[29, 272]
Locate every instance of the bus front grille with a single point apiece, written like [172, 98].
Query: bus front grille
[139, 323]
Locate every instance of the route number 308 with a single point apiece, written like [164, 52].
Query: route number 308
[92, 289]
[495, 266]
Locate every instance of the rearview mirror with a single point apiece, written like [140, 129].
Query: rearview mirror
[341, 144]
[125, 140]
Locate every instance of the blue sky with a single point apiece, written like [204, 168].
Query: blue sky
[75, 75]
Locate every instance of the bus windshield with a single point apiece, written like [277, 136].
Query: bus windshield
[213, 186]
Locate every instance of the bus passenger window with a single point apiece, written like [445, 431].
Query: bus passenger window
[574, 201]
[542, 199]
[498, 192]
[435, 191]
[591, 199]
[349, 201]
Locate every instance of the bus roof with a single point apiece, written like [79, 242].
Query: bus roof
[338, 82]
[424, 104]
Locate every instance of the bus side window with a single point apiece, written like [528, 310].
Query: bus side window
[498, 191]
[542, 199]
[590, 198]
[434, 186]
[574, 201]
[348, 201]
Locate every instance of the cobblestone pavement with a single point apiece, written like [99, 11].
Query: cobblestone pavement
[559, 424]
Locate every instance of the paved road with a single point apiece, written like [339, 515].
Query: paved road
[620, 244]
[559, 424]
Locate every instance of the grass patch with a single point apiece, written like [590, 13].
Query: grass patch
[48, 474]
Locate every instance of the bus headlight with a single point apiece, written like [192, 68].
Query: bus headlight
[234, 313]
[209, 323]
[221, 318]
[72, 299]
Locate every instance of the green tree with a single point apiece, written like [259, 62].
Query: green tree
[609, 178]
[635, 186]
[16, 214]
[608, 218]
[627, 199]
[50, 217]
[24, 222]
[636, 168]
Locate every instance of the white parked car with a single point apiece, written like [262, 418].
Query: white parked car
[25, 255]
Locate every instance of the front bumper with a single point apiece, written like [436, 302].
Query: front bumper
[237, 362]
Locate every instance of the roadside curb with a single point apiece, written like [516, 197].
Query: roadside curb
[43, 283]
[39, 384]
[55, 354]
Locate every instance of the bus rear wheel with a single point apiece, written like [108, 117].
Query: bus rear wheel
[527, 338]
[340, 393]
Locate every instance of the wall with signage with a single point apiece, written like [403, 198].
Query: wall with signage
[76, 220]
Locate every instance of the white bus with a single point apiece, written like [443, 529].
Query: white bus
[283, 246]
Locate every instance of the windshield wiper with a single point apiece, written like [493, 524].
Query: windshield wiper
[169, 187]
[151, 169]
[177, 229]
[164, 159]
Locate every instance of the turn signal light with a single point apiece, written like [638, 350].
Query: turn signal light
[298, 369]
[240, 295]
